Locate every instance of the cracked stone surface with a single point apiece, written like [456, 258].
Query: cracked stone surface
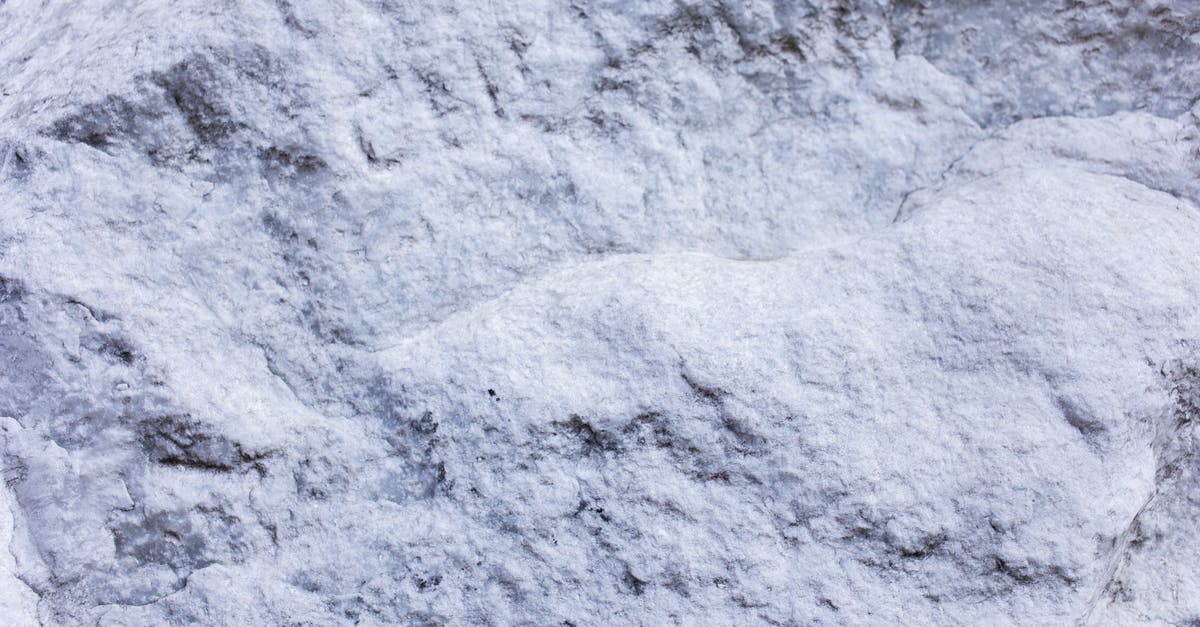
[687, 312]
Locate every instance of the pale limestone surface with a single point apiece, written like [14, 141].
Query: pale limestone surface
[607, 313]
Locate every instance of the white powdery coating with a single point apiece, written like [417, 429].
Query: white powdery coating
[653, 312]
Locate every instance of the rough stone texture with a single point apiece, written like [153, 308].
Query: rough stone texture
[385, 312]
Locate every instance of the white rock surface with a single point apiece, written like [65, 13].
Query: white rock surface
[378, 312]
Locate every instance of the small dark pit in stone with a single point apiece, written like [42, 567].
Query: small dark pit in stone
[638, 586]
[593, 440]
[1019, 575]
[789, 45]
[11, 289]
[181, 441]
[704, 393]
[18, 165]
[423, 583]
[290, 161]
[926, 548]
[720, 475]
[117, 348]
[425, 424]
